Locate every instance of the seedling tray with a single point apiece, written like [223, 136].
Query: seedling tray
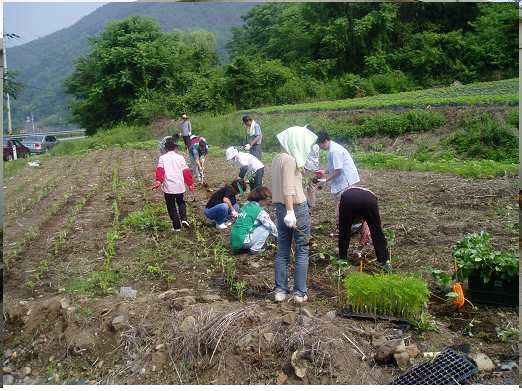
[447, 368]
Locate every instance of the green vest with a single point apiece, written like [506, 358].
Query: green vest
[244, 224]
[192, 147]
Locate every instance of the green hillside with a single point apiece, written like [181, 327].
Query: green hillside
[45, 62]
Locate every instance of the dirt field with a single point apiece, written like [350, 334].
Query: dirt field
[65, 334]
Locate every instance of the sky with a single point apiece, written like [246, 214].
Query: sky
[32, 20]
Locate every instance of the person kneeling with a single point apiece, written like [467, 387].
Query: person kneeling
[253, 224]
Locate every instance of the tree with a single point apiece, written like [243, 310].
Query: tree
[12, 87]
[131, 64]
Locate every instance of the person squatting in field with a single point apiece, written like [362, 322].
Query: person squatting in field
[171, 172]
[253, 224]
[198, 151]
[223, 206]
[249, 166]
[360, 205]
[293, 214]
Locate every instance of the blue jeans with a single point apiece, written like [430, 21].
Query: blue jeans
[285, 236]
[221, 213]
[257, 239]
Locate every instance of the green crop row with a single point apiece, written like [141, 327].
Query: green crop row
[386, 294]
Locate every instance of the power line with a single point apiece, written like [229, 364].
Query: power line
[26, 42]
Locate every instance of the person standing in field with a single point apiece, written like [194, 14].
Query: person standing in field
[310, 168]
[171, 174]
[342, 172]
[198, 151]
[360, 205]
[293, 214]
[186, 130]
[256, 137]
[249, 166]
[253, 224]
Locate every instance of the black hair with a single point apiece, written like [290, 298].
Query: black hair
[322, 137]
[202, 144]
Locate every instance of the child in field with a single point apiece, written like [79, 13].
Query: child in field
[223, 206]
[171, 172]
[253, 224]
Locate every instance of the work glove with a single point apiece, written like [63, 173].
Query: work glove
[322, 180]
[156, 186]
[290, 219]
[233, 213]
[357, 254]
[202, 160]
[190, 133]
[247, 147]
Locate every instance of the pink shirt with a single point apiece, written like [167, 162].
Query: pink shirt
[173, 164]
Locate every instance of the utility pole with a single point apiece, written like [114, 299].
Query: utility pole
[8, 106]
[32, 120]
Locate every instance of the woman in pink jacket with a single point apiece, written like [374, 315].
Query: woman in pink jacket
[171, 172]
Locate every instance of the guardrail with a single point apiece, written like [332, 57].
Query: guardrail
[57, 133]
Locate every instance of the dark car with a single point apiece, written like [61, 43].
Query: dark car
[21, 150]
[40, 143]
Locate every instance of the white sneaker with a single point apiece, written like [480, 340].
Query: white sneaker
[300, 299]
[175, 230]
[279, 297]
[228, 223]
[221, 226]
[185, 223]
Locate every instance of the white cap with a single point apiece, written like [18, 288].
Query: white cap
[231, 153]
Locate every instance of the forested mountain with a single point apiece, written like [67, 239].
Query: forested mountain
[45, 62]
[282, 53]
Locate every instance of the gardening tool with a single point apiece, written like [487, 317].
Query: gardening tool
[457, 288]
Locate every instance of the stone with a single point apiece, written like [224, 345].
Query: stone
[24, 302]
[208, 298]
[255, 265]
[26, 371]
[402, 359]
[412, 351]
[385, 352]
[281, 379]
[331, 314]
[84, 300]
[508, 367]
[142, 371]
[268, 336]
[118, 322]
[378, 339]
[335, 374]
[187, 324]
[160, 346]
[183, 302]
[183, 292]
[304, 321]
[64, 304]
[300, 366]
[289, 319]
[127, 291]
[51, 359]
[306, 311]
[100, 364]
[166, 294]
[8, 379]
[8, 353]
[26, 380]
[483, 362]
[8, 370]
[244, 339]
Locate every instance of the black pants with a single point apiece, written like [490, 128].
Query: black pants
[186, 140]
[256, 150]
[172, 200]
[361, 203]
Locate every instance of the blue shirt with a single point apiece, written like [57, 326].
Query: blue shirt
[257, 132]
[339, 158]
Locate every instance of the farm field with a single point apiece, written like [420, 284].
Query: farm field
[81, 227]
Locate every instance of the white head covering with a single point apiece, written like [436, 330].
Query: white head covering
[231, 153]
[297, 141]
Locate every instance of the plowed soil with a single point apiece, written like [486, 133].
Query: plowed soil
[65, 334]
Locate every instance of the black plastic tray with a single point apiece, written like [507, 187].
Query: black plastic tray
[447, 368]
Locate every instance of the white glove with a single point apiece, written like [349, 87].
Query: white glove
[202, 160]
[356, 254]
[233, 213]
[322, 180]
[290, 219]
[247, 147]
[190, 133]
